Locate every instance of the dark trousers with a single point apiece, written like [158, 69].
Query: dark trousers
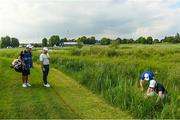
[45, 73]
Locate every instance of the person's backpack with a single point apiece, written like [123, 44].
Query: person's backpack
[16, 64]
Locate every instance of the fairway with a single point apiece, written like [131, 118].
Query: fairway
[65, 99]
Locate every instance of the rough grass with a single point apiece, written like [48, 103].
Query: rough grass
[65, 99]
[114, 74]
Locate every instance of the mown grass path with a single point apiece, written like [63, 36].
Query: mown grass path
[65, 99]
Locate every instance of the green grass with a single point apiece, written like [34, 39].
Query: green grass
[65, 99]
[113, 74]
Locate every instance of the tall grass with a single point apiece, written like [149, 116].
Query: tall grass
[115, 73]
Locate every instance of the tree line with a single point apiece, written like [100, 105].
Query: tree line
[55, 40]
[9, 42]
[142, 40]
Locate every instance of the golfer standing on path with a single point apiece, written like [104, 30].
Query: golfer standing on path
[26, 61]
[44, 58]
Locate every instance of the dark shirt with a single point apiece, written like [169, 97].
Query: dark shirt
[159, 88]
[26, 57]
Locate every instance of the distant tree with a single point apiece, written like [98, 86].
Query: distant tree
[130, 41]
[14, 42]
[119, 40]
[91, 40]
[54, 40]
[5, 42]
[149, 40]
[124, 41]
[62, 41]
[156, 41]
[105, 41]
[165, 39]
[170, 39]
[37, 44]
[161, 41]
[65, 40]
[44, 42]
[177, 38]
[85, 40]
[141, 40]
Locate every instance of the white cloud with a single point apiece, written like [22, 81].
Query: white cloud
[31, 20]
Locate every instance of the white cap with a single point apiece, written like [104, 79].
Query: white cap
[152, 84]
[45, 48]
[146, 76]
[29, 46]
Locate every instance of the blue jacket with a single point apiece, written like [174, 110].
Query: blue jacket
[26, 57]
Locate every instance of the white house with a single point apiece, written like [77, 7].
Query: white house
[70, 43]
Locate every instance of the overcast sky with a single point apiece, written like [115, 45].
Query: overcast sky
[31, 20]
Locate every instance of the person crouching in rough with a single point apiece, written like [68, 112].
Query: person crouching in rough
[156, 88]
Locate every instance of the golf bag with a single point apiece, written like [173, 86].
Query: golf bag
[16, 64]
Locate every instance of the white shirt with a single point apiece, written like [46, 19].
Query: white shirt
[44, 58]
